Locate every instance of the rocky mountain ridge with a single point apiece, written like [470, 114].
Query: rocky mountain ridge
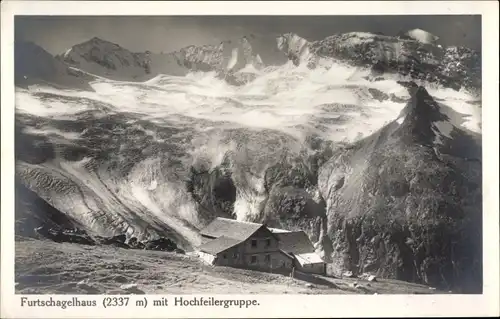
[238, 60]
[454, 67]
[400, 204]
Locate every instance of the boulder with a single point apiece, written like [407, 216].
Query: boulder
[135, 244]
[132, 289]
[65, 235]
[117, 241]
[161, 244]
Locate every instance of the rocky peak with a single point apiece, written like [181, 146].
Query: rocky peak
[414, 53]
[406, 54]
[419, 116]
[98, 40]
[104, 58]
[94, 43]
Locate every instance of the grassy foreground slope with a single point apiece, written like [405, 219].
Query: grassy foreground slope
[46, 267]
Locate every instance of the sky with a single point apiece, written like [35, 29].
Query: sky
[56, 34]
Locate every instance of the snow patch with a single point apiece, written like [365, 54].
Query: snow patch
[153, 185]
[234, 59]
[295, 45]
[67, 52]
[400, 120]
[422, 36]
[249, 68]
[52, 131]
[462, 104]
[442, 129]
[128, 286]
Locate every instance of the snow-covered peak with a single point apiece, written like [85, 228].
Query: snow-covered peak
[67, 53]
[293, 44]
[104, 58]
[413, 53]
[422, 36]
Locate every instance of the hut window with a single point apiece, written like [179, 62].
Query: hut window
[254, 243]
[268, 242]
[224, 256]
[254, 259]
[268, 258]
[235, 256]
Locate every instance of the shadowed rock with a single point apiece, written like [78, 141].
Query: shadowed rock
[161, 244]
[34, 65]
[405, 209]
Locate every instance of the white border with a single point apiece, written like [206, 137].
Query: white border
[289, 306]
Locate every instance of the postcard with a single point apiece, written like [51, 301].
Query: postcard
[249, 159]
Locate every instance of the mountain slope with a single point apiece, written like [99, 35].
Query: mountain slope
[34, 65]
[413, 54]
[44, 267]
[103, 58]
[32, 212]
[107, 59]
[454, 67]
[402, 205]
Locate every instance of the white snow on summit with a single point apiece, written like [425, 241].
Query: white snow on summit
[422, 36]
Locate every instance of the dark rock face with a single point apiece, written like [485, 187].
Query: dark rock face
[33, 64]
[110, 60]
[117, 241]
[79, 236]
[38, 219]
[135, 244]
[106, 54]
[400, 209]
[293, 201]
[237, 79]
[33, 212]
[452, 67]
[213, 190]
[421, 112]
[161, 244]
[378, 95]
[288, 199]
[59, 235]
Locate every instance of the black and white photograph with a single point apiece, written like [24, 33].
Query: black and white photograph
[248, 154]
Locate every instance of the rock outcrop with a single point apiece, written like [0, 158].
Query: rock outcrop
[229, 59]
[34, 65]
[453, 67]
[109, 60]
[406, 203]
[79, 236]
[33, 212]
[414, 54]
